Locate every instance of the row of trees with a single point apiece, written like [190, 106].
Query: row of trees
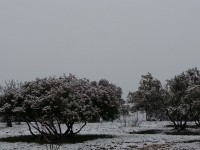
[178, 100]
[53, 105]
[47, 104]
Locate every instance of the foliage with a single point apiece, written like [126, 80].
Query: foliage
[148, 97]
[125, 112]
[9, 100]
[180, 99]
[183, 98]
[109, 100]
[49, 103]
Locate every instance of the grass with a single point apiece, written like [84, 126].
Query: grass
[70, 140]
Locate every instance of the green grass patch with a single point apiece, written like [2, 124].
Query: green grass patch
[70, 140]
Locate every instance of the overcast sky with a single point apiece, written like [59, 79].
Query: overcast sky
[114, 39]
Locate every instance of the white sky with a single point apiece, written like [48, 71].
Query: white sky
[114, 39]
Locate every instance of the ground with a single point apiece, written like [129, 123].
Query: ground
[123, 138]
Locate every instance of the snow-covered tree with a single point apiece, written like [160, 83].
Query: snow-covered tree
[125, 112]
[183, 97]
[9, 100]
[109, 99]
[193, 99]
[148, 97]
[50, 102]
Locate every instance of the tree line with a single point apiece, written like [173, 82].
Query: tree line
[52, 106]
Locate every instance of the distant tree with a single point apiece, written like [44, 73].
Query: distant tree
[193, 99]
[193, 93]
[148, 97]
[125, 112]
[108, 100]
[9, 100]
[177, 110]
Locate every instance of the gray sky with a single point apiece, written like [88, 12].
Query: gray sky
[114, 39]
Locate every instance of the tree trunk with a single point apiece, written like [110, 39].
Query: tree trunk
[8, 121]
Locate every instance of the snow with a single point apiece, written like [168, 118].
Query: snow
[122, 138]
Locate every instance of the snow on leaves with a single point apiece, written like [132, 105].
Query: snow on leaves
[67, 99]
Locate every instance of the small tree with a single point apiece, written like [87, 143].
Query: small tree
[148, 97]
[193, 98]
[193, 93]
[9, 101]
[125, 109]
[108, 100]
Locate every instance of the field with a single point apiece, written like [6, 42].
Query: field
[143, 136]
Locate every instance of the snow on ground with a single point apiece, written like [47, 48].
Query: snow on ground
[122, 138]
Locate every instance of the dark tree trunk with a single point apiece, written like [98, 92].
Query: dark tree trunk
[8, 121]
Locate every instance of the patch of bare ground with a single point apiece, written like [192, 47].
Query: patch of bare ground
[156, 147]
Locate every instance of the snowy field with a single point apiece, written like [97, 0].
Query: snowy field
[122, 138]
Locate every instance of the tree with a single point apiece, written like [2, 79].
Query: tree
[8, 100]
[108, 100]
[183, 97]
[125, 110]
[148, 97]
[50, 102]
[193, 98]
[47, 104]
